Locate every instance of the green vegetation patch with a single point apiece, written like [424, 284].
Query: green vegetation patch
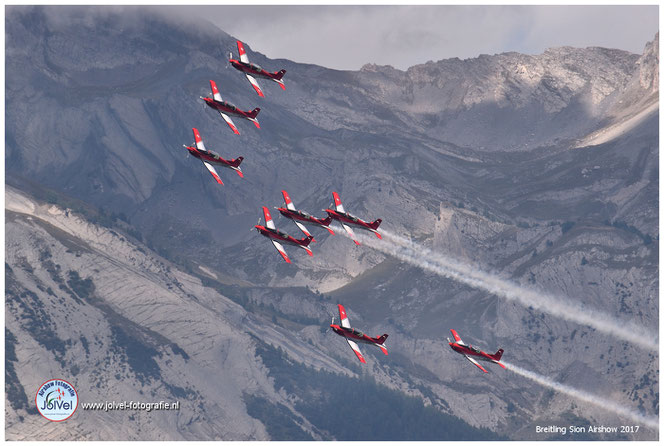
[13, 388]
[140, 357]
[345, 408]
[277, 418]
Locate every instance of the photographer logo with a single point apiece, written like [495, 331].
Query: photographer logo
[56, 400]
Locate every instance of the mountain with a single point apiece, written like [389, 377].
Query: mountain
[124, 324]
[543, 168]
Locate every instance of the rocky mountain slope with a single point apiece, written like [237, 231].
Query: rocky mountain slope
[124, 324]
[543, 168]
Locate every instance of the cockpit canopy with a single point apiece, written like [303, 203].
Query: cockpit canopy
[256, 67]
[229, 105]
[357, 333]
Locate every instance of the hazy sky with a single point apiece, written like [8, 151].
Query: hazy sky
[347, 37]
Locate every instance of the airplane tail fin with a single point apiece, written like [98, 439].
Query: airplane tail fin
[305, 241]
[375, 224]
[326, 224]
[382, 339]
[279, 74]
[254, 112]
[498, 354]
[236, 162]
[215, 91]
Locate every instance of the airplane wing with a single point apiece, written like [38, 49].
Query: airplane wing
[476, 363]
[306, 248]
[243, 54]
[199, 141]
[215, 91]
[287, 200]
[337, 202]
[281, 250]
[255, 85]
[356, 349]
[230, 123]
[303, 229]
[343, 318]
[213, 172]
[456, 336]
[350, 232]
[268, 219]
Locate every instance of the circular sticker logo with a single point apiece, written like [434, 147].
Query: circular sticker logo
[56, 400]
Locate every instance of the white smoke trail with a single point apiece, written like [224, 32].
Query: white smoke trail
[603, 403]
[424, 258]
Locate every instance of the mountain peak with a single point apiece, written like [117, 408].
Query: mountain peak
[649, 66]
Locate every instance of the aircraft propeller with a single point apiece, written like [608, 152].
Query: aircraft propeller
[331, 323]
[257, 224]
[203, 105]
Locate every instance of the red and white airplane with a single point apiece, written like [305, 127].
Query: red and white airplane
[353, 336]
[468, 350]
[346, 219]
[224, 107]
[290, 212]
[276, 236]
[208, 157]
[250, 70]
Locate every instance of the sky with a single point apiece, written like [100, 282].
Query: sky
[346, 37]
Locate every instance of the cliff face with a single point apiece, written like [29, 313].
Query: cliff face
[123, 324]
[544, 168]
[508, 101]
[83, 302]
[649, 66]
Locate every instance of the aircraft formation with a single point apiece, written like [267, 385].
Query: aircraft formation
[299, 217]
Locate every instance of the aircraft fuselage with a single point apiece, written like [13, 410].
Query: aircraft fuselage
[278, 235]
[251, 69]
[345, 217]
[353, 334]
[212, 157]
[474, 352]
[228, 108]
[303, 216]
